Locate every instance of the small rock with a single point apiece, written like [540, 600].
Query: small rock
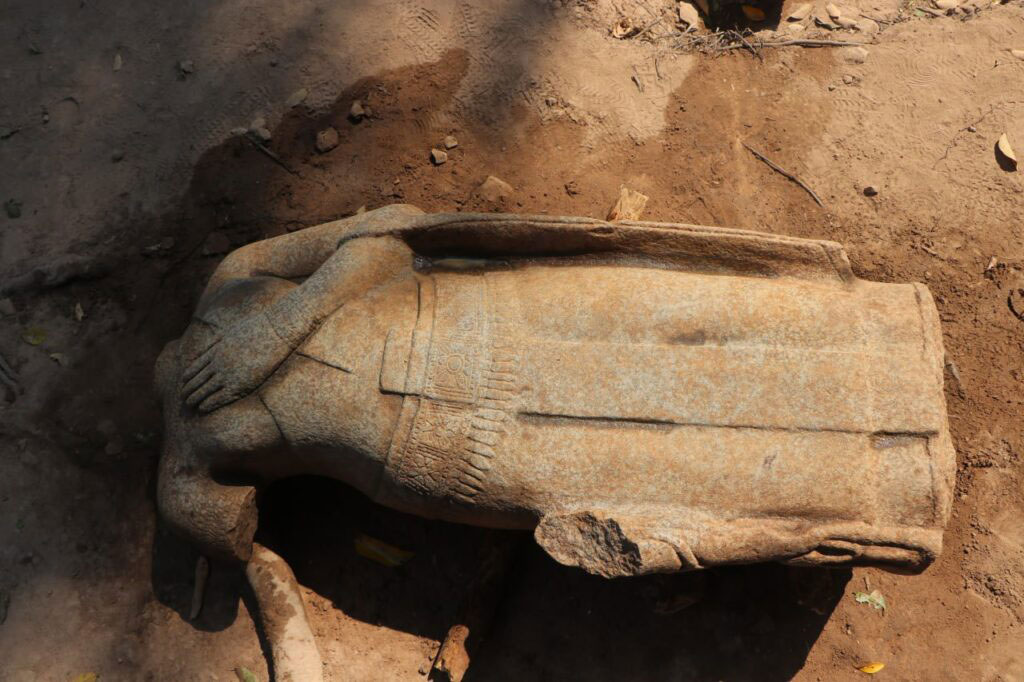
[326, 140]
[868, 26]
[1019, 54]
[438, 156]
[239, 131]
[870, 191]
[262, 134]
[450, 142]
[7, 307]
[493, 189]
[854, 55]
[796, 28]
[972, 129]
[833, 11]
[13, 208]
[831, 87]
[186, 67]
[946, 4]
[846, 22]
[257, 123]
[848, 79]
[297, 98]
[117, 156]
[118, 62]
[800, 12]
[356, 112]
[273, 62]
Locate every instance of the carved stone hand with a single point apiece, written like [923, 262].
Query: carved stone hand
[234, 365]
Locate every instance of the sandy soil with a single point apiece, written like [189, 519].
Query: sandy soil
[131, 187]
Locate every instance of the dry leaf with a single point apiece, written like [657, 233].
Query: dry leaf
[623, 28]
[34, 336]
[753, 13]
[297, 98]
[1003, 145]
[871, 668]
[874, 598]
[380, 551]
[245, 675]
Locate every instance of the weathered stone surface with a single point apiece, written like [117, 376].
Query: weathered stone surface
[646, 397]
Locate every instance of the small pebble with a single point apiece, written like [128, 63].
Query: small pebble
[257, 123]
[438, 156]
[185, 67]
[117, 156]
[13, 208]
[855, 55]
[848, 79]
[870, 191]
[450, 142]
[262, 134]
[972, 129]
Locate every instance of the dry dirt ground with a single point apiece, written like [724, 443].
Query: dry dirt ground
[130, 187]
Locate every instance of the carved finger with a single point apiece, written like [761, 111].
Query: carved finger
[218, 399]
[199, 363]
[197, 381]
[203, 392]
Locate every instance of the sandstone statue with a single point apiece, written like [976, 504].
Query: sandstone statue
[644, 397]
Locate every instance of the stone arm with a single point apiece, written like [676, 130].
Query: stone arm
[301, 253]
[238, 359]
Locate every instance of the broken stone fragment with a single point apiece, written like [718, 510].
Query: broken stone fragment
[800, 12]
[438, 156]
[493, 189]
[356, 112]
[629, 205]
[689, 15]
[326, 140]
[450, 142]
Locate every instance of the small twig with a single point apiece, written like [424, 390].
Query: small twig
[647, 28]
[801, 42]
[270, 155]
[747, 45]
[782, 171]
